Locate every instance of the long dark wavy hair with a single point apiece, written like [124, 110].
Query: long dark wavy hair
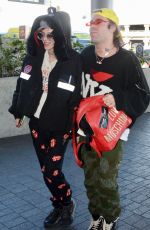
[35, 46]
[63, 18]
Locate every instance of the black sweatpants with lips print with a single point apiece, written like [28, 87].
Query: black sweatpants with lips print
[50, 148]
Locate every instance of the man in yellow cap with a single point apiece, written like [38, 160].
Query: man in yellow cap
[112, 71]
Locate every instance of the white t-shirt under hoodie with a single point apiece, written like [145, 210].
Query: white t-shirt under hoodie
[47, 67]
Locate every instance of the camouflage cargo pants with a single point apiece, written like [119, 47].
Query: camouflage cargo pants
[101, 182]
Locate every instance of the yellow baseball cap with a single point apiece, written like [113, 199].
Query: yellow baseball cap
[107, 13]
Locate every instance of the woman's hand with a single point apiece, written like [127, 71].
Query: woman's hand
[109, 100]
[19, 122]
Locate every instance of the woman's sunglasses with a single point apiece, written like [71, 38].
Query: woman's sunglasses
[41, 36]
[95, 22]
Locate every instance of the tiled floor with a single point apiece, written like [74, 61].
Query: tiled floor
[24, 199]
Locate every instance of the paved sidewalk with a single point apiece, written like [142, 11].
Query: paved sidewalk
[24, 197]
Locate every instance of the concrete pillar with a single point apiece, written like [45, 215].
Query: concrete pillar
[146, 28]
[127, 27]
[97, 4]
[146, 37]
[146, 43]
[126, 37]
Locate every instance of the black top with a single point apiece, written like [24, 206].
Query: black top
[57, 112]
[122, 73]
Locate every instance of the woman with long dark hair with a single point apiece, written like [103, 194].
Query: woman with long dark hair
[47, 92]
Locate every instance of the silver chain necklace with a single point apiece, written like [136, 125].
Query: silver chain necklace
[99, 60]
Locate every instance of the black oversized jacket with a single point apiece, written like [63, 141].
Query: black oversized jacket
[57, 112]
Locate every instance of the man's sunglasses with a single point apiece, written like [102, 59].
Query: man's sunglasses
[41, 36]
[95, 22]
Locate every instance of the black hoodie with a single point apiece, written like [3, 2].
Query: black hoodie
[57, 112]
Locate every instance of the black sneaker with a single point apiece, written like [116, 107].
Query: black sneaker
[67, 214]
[61, 216]
[53, 218]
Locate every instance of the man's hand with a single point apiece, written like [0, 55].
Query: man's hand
[109, 100]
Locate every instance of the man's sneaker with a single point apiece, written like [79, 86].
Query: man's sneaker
[101, 224]
[67, 214]
[53, 218]
[110, 226]
[97, 224]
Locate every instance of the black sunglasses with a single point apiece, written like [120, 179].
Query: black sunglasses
[41, 35]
